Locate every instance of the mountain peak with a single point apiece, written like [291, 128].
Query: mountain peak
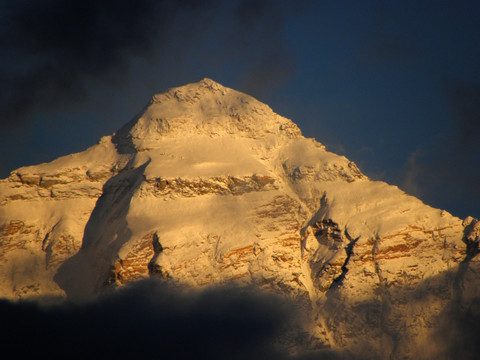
[208, 185]
[205, 108]
[184, 92]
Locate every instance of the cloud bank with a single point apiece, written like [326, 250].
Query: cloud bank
[150, 319]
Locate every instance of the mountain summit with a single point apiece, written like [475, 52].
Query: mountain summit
[206, 108]
[208, 185]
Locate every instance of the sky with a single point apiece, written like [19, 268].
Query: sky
[393, 86]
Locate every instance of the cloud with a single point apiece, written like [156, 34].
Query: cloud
[50, 47]
[412, 175]
[448, 165]
[53, 50]
[150, 320]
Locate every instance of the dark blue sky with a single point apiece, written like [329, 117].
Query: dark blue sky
[394, 86]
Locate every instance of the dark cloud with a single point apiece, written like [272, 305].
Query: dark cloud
[49, 48]
[151, 320]
[52, 49]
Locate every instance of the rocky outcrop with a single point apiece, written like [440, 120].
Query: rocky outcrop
[208, 185]
[219, 185]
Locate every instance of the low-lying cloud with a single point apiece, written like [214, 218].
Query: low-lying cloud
[157, 320]
[150, 319]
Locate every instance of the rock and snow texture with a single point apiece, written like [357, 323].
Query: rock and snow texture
[209, 185]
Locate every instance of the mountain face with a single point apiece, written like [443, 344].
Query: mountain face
[208, 185]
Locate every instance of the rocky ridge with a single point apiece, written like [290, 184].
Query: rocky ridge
[208, 185]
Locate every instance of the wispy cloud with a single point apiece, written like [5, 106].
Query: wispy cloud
[449, 166]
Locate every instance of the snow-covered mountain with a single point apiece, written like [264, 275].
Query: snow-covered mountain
[208, 185]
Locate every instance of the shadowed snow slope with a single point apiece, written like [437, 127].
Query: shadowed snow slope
[208, 185]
